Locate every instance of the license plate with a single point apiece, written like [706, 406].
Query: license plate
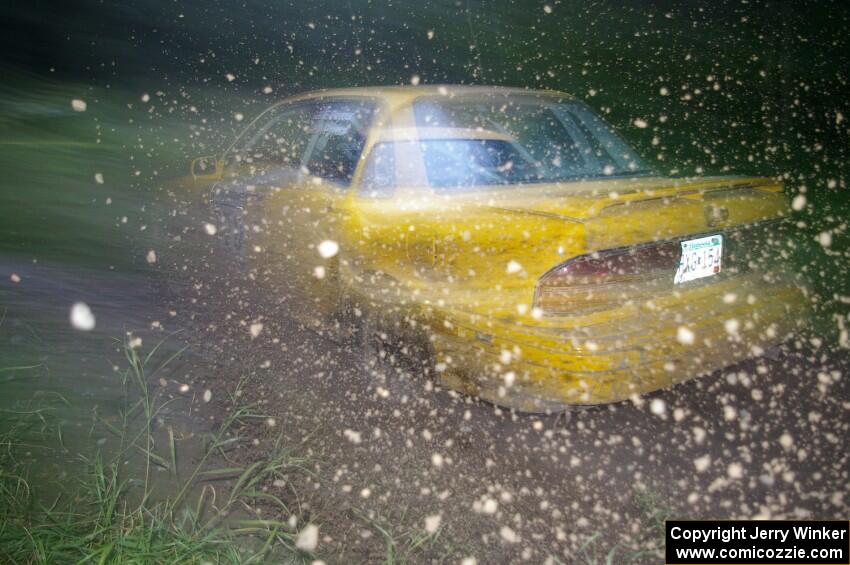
[701, 257]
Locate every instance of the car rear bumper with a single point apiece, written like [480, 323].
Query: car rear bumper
[611, 355]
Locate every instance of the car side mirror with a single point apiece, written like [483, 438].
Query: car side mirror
[206, 168]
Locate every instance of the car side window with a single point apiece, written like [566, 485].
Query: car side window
[339, 133]
[277, 142]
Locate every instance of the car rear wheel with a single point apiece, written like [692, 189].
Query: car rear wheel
[396, 367]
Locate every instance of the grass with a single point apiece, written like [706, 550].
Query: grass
[654, 512]
[591, 553]
[410, 545]
[110, 516]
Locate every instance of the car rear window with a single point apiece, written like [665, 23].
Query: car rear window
[510, 139]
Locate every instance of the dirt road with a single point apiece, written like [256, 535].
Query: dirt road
[392, 456]
[393, 452]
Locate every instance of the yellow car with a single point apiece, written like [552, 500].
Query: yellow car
[542, 260]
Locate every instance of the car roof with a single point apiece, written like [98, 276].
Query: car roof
[405, 93]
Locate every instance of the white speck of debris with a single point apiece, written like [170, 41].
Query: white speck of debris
[825, 238]
[184, 388]
[735, 471]
[271, 422]
[432, 523]
[414, 80]
[328, 249]
[685, 336]
[210, 229]
[489, 505]
[255, 329]
[319, 272]
[508, 535]
[98, 178]
[78, 105]
[608, 170]
[547, 8]
[308, 538]
[702, 463]
[15, 278]
[799, 202]
[430, 34]
[640, 123]
[82, 317]
[786, 441]
[513, 267]
[230, 77]
[437, 460]
[469, 561]
[730, 298]
[658, 407]
[663, 91]
[151, 257]
[207, 395]
[731, 326]
[267, 90]
[352, 436]
[238, 116]
[146, 97]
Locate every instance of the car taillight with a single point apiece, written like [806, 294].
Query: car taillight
[606, 278]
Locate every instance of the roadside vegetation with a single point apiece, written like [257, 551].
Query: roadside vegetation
[648, 548]
[107, 515]
[136, 501]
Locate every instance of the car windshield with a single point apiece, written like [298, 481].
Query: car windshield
[506, 140]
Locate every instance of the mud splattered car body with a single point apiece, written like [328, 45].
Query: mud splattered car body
[543, 260]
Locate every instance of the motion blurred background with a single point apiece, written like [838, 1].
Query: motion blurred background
[722, 86]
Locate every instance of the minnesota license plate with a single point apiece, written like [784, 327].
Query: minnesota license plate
[701, 257]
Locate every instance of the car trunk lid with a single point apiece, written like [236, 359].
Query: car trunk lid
[621, 212]
[645, 243]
